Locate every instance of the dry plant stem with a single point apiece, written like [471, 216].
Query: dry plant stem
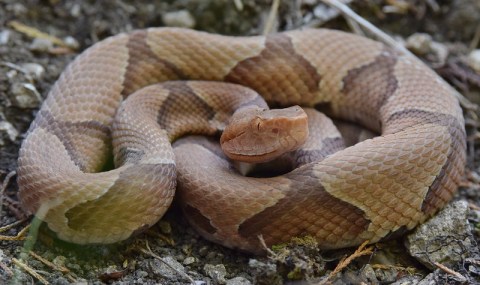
[35, 33]
[385, 38]
[148, 251]
[7, 227]
[361, 250]
[272, 16]
[264, 245]
[18, 237]
[476, 39]
[4, 186]
[5, 268]
[48, 263]
[53, 266]
[473, 206]
[29, 270]
[459, 276]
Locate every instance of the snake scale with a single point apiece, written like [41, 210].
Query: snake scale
[369, 191]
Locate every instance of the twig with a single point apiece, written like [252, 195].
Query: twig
[361, 250]
[473, 206]
[9, 226]
[53, 266]
[35, 33]
[272, 16]
[20, 235]
[64, 270]
[459, 276]
[30, 271]
[148, 251]
[380, 35]
[264, 245]
[6, 269]
[475, 40]
[238, 5]
[4, 186]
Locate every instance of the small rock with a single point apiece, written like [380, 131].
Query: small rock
[141, 273]
[408, 280]
[59, 260]
[33, 70]
[474, 60]
[419, 43]
[4, 37]
[160, 268]
[165, 227]
[41, 45]
[181, 18]
[238, 281]
[7, 131]
[189, 260]
[446, 238]
[75, 10]
[203, 251]
[430, 279]
[61, 281]
[71, 42]
[423, 44]
[324, 12]
[24, 95]
[216, 272]
[265, 273]
[369, 274]
[18, 9]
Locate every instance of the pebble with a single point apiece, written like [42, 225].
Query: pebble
[24, 95]
[430, 279]
[165, 227]
[141, 273]
[4, 37]
[474, 60]
[419, 43]
[41, 45]
[189, 260]
[216, 272]
[160, 268]
[203, 251]
[33, 70]
[71, 42]
[7, 131]
[59, 260]
[408, 280]
[238, 281]
[324, 12]
[181, 18]
[446, 238]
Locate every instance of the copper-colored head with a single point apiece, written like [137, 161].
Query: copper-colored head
[259, 135]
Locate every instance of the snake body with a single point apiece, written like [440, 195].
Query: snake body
[368, 191]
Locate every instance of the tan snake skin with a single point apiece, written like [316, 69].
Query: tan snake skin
[368, 191]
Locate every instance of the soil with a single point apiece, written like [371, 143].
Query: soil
[29, 66]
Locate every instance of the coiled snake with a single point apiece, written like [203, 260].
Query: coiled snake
[364, 192]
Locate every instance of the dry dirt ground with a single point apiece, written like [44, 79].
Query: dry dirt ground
[171, 252]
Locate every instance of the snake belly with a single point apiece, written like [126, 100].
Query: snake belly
[365, 192]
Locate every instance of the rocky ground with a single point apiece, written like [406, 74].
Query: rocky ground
[38, 39]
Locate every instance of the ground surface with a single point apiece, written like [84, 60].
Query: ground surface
[171, 252]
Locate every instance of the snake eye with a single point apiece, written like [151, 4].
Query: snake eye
[256, 124]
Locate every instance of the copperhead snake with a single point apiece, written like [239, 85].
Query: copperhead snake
[368, 191]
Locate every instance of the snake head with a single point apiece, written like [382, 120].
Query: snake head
[258, 135]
